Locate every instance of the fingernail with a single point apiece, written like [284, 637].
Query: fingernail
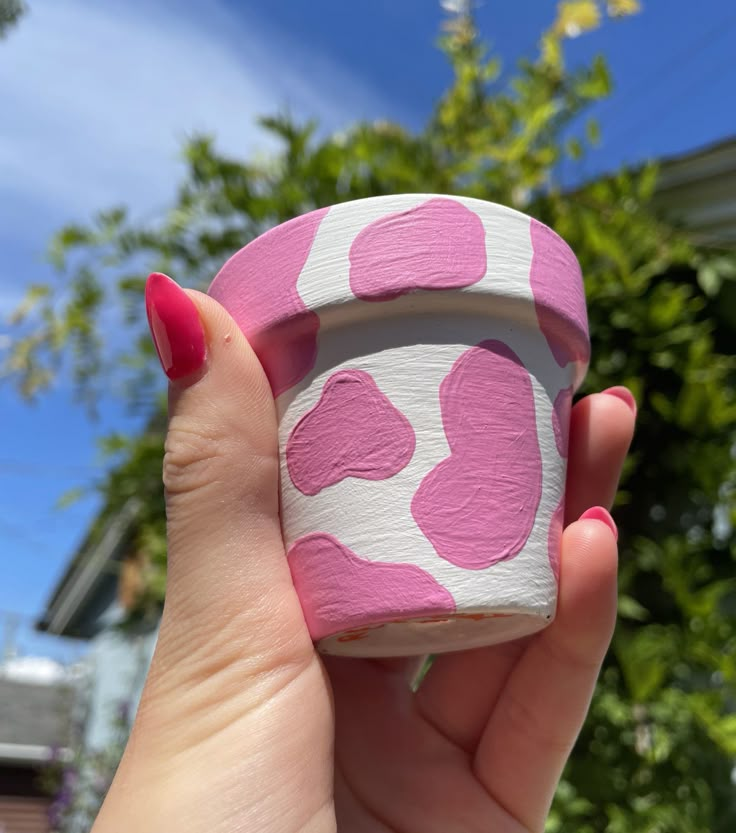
[175, 326]
[624, 394]
[598, 513]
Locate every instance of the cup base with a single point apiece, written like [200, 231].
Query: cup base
[432, 634]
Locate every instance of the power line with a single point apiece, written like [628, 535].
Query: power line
[20, 534]
[10, 466]
[670, 102]
[19, 615]
[26, 534]
[645, 85]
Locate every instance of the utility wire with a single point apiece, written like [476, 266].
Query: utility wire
[655, 114]
[26, 467]
[20, 534]
[644, 86]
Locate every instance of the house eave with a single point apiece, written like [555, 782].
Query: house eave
[79, 582]
[698, 191]
[27, 754]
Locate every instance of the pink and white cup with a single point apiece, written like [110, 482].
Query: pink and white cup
[423, 352]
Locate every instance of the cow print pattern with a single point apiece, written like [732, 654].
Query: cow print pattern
[477, 506]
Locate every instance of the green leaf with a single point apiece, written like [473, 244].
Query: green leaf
[35, 294]
[10, 13]
[574, 149]
[593, 131]
[645, 659]
[596, 82]
[71, 496]
[647, 181]
[629, 608]
[709, 279]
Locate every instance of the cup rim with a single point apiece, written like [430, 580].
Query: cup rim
[273, 231]
[555, 313]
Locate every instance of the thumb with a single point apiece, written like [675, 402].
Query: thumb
[233, 638]
[227, 568]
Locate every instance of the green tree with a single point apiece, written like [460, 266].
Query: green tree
[10, 12]
[657, 751]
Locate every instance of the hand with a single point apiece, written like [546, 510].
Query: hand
[242, 727]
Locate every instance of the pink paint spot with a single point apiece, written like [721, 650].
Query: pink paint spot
[353, 431]
[554, 538]
[561, 419]
[557, 285]
[437, 245]
[258, 287]
[478, 506]
[339, 590]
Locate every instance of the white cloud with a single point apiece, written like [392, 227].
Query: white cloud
[96, 98]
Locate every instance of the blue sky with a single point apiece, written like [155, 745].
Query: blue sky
[95, 99]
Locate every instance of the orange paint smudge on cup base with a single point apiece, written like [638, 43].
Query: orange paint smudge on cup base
[331, 644]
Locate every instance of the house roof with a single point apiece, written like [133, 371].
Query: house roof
[34, 719]
[74, 603]
[91, 564]
[698, 190]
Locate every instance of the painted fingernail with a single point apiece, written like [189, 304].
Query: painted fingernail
[624, 394]
[175, 326]
[598, 513]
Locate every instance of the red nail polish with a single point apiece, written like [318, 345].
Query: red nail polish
[175, 326]
[598, 513]
[624, 394]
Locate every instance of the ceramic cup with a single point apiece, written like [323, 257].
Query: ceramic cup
[423, 351]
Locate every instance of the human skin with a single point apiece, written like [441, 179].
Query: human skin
[242, 726]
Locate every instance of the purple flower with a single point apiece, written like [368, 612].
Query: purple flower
[64, 797]
[69, 778]
[123, 712]
[55, 814]
[100, 783]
